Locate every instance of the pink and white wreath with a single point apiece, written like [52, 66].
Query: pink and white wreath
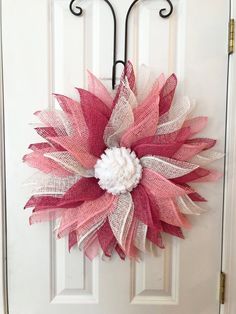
[116, 171]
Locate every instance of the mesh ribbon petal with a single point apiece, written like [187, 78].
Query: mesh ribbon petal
[70, 163]
[142, 210]
[44, 164]
[120, 219]
[167, 167]
[160, 186]
[121, 119]
[96, 88]
[167, 94]
[74, 146]
[188, 207]
[76, 217]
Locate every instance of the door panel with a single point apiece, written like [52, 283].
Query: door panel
[46, 49]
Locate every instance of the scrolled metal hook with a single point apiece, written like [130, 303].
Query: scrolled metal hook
[75, 9]
[162, 11]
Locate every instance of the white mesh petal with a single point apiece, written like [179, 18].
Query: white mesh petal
[89, 232]
[120, 219]
[188, 207]
[121, 119]
[57, 119]
[47, 184]
[140, 237]
[206, 157]
[70, 163]
[167, 167]
[177, 115]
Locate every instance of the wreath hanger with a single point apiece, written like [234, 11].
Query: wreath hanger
[78, 11]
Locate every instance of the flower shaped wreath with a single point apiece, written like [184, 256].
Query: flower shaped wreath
[115, 171]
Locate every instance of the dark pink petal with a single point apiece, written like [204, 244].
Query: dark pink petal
[42, 147]
[206, 142]
[155, 237]
[96, 123]
[42, 202]
[192, 176]
[120, 252]
[47, 133]
[72, 240]
[167, 94]
[142, 210]
[89, 100]
[195, 197]
[86, 189]
[179, 136]
[172, 230]
[106, 239]
[165, 150]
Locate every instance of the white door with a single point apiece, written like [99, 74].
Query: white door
[47, 49]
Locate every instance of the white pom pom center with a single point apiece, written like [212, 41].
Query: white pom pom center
[118, 170]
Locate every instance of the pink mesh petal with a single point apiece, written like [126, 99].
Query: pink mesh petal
[145, 124]
[91, 249]
[74, 145]
[75, 114]
[167, 94]
[38, 161]
[196, 124]
[46, 215]
[160, 186]
[70, 163]
[170, 213]
[96, 88]
[76, 217]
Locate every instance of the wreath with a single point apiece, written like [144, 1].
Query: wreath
[115, 170]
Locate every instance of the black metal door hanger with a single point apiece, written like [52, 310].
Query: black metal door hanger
[78, 11]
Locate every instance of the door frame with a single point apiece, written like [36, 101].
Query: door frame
[3, 233]
[229, 230]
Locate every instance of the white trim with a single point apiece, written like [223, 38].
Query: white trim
[229, 234]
